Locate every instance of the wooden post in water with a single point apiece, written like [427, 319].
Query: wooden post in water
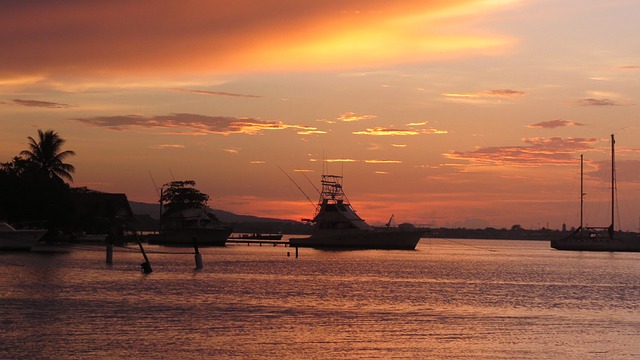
[109, 253]
[198, 256]
[296, 252]
[145, 267]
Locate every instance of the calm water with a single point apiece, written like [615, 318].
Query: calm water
[454, 299]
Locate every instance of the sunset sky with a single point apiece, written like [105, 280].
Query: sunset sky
[441, 112]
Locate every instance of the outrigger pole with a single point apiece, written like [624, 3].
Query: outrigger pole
[299, 188]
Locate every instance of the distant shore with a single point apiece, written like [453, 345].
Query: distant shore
[502, 234]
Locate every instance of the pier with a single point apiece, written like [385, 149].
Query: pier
[258, 241]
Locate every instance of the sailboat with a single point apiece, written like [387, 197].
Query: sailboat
[336, 225]
[598, 238]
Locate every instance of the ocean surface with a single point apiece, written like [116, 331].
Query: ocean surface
[448, 299]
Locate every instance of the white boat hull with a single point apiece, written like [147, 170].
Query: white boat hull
[20, 240]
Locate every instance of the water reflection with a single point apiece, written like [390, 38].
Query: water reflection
[480, 299]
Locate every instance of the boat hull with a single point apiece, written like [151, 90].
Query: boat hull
[20, 240]
[599, 244]
[190, 236]
[383, 240]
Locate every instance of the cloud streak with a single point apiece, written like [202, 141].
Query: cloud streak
[381, 131]
[39, 103]
[537, 152]
[191, 124]
[500, 93]
[598, 102]
[214, 93]
[351, 117]
[552, 124]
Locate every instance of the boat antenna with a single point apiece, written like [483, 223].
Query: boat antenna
[299, 188]
[325, 165]
[154, 183]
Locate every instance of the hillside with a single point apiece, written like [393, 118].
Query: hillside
[240, 223]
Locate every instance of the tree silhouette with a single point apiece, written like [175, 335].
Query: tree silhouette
[180, 195]
[46, 155]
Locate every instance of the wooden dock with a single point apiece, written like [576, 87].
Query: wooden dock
[259, 242]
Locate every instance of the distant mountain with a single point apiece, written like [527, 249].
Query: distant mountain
[241, 223]
[153, 210]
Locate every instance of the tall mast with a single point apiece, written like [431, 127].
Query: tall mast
[613, 179]
[581, 188]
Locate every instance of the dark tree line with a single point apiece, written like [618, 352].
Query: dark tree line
[32, 184]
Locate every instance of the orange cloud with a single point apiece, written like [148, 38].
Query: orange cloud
[379, 131]
[350, 117]
[167, 146]
[383, 161]
[123, 37]
[628, 67]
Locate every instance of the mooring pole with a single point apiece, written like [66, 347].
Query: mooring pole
[296, 252]
[109, 253]
[145, 267]
[198, 256]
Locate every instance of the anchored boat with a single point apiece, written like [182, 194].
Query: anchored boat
[18, 239]
[598, 238]
[191, 226]
[336, 225]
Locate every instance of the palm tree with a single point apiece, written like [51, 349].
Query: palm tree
[46, 155]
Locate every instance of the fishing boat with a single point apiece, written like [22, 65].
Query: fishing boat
[191, 226]
[336, 225]
[603, 238]
[18, 239]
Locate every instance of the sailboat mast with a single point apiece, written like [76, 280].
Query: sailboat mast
[581, 188]
[613, 180]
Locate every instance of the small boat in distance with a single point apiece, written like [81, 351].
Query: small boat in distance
[598, 238]
[19, 239]
[337, 226]
[187, 220]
